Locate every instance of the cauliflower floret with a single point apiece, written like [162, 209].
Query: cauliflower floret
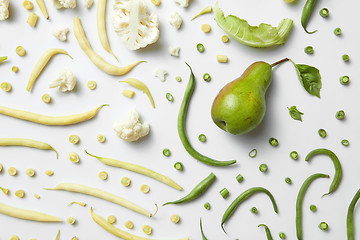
[68, 3]
[66, 81]
[88, 3]
[160, 74]
[131, 129]
[136, 26]
[60, 33]
[4, 9]
[175, 20]
[174, 51]
[182, 3]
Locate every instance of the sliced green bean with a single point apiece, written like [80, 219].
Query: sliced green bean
[267, 230]
[337, 165]
[300, 199]
[350, 216]
[242, 197]
[306, 13]
[3, 59]
[182, 132]
[202, 232]
[197, 191]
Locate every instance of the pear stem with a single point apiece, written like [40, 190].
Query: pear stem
[278, 62]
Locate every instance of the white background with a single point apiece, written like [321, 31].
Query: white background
[285, 91]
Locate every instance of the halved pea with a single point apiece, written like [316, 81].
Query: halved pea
[71, 220]
[30, 172]
[74, 139]
[12, 171]
[49, 172]
[46, 98]
[103, 175]
[125, 181]
[5, 86]
[91, 85]
[20, 193]
[175, 218]
[101, 138]
[145, 188]
[147, 229]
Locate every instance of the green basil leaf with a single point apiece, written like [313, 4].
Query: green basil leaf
[294, 113]
[310, 78]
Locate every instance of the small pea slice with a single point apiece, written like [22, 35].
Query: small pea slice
[309, 50]
[178, 79]
[340, 115]
[125, 181]
[225, 39]
[103, 175]
[20, 50]
[344, 80]
[345, 142]
[239, 178]
[144, 188]
[46, 98]
[263, 168]
[288, 180]
[222, 58]
[20, 193]
[207, 206]
[147, 229]
[345, 58]
[49, 172]
[324, 12]
[200, 47]
[313, 208]
[166, 152]
[337, 31]
[5, 190]
[36, 196]
[324, 226]
[224, 192]
[206, 77]
[12, 171]
[128, 93]
[111, 219]
[322, 133]
[178, 166]
[74, 157]
[71, 220]
[74, 139]
[294, 155]
[156, 2]
[30, 172]
[129, 224]
[202, 138]
[14, 237]
[254, 210]
[28, 5]
[206, 28]
[175, 218]
[101, 138]
[282, 235]
[91, 85]
[5, 86]
[253, 153]
[273, 142]
[169, 97]
[15, 69]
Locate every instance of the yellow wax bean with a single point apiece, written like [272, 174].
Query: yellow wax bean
[26, 143]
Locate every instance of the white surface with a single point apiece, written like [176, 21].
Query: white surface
[284, 92]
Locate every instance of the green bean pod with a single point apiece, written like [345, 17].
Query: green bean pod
[337, 165]
[202, 232]
[267, 231]
[300, 199]
[350, 217]
[242, 197]
[306, 13]
[197, 191]
[181, 128]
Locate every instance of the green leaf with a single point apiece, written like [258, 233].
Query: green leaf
[309, 77]
[295, 114]
[260, 36]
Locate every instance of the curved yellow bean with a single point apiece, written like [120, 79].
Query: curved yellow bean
[140, 85]
[41, 64]
[94, 57]
[116, 231]
[50, 120]
[26, 143]
[138, 169]
[71, 187]
[101, 26]
[27, 214]
[42, 7]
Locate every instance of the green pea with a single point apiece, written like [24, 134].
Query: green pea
[294, 155]
[263, 168]
[202, 138]
[309, 50]
[340, 115]
[273, 142]
[322, 133]
[345, 142]
[254, 210]
[207, 206]
[324, 226]
[178, 166]
[178, 78]
[324, 12]
[345, 58]
[169, 97]
[253, 153]
[337, 31]
[344, 80]
[200, 47]
[313, 208]
[207, 77]
[288, 180]
[166, 152]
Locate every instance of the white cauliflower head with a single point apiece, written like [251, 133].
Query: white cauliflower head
[60, 33]
[4, 9]
[65, 81]
[174, 51]
[182, 3]
[68, 3]
[136, 26]
[175, 20]
[160, 73]
[88, 3]
[131, 129]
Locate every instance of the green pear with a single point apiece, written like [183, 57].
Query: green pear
[240, 105]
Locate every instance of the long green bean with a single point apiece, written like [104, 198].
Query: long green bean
[242, 197]
[337, 165]
[306, 13]
[350, 216]
[197, 191]
[267, 231]
[182, 132]
[300, 199]
[202, 232]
